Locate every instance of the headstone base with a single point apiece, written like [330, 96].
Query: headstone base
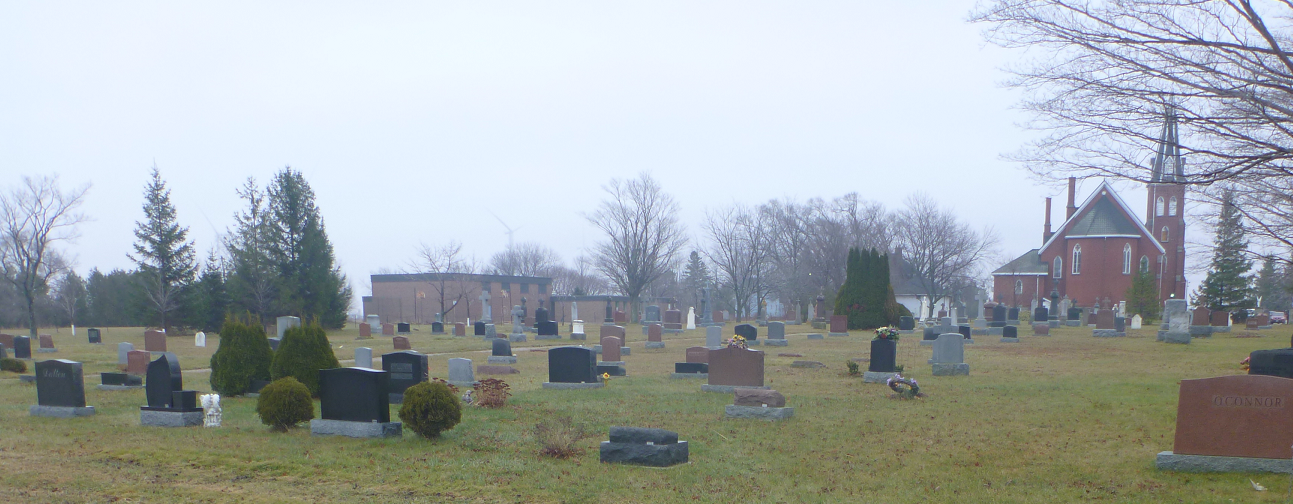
[27, 378]
[654, 455]
[160, 418]
[320, 427]
[728, 389]
[60, 411]
[1073, 323]
[655, 344]
[978, 332]
[962, 369]
[118, 387]
[501, 359]
[1264, 327]
[610, 363]
[776, 342]
[572, 386]
[815, 336]
[1107, 333]
[1199, 331]
[515, 337]
[1168, 461]
[1220, 329]
[673, 331]
[992, 331]
[1054, 324]
[1182, 338]
[876, 376]
[689, 375]
[819, 325]
[838, 334]
[46, 350]
[1010, 340]
[578, 336]
[759, 412]
[612, 370]
[626, 350]
[980, 323]
[547, 336]
[753, 342]
[927, 342]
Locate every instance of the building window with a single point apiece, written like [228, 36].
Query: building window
[525, 288]
[1171, 207]
[1144, 264]
[1158, 208]
[1126, 259]
[1077, 259]
[1165, 235]
[1019, 286]
[1059, 267]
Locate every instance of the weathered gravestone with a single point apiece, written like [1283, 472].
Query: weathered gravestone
[404, 370]
[733, 367]
[1232, 424]
[758, 404]
[1136, 321]
[490, 331]
[696, 365]
[776, 334]
[274, 343]
[200, 339]
[169, 405]
[839, 325]
[884, 355]
[460, 373]
[401, 343]
[655, 336]
[1041, 330]
[646, 447]
[714, 337]
[949, 356]
[478, 328]
[1176, 318]
[285, 323]
[21, 347]
[388, 329]
[123, 348]
[365, 330]
[60, 390]
[46, 344]
[749, 332]
[651, 315]
[154, 341]
[437, 327]
[572, 367]
[355, 402]
[577, 330]
[364, 357]
[459, 328]
[374, 321]
[94, 335]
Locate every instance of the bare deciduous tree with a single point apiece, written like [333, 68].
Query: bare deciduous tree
[69, 294]
[33, 218]
[450, 270]
[942, 251]
[525, 259]
[579, 280]
[643, 235]
[738, 250]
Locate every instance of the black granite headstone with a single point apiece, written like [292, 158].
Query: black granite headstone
[402, 328]
[572, 365]
[691, 367]
[1041, 314]
[931, 334]
[478, 328]
[998, 316]
[1120, 324]
[1074, 314]
[546, 328]
[354, 394]
[906, 323]
[21, 347]
[747, 331]
[1010, 332]
[164, 378]
[94, 335]
[540, 315]
[121, 379]
[1277, 362]
[884, 352]
[502, 348]
[438, 327]
[406, 368]
[184, 400]
[965, 331]
[1012, 314]
[59, 382]
[613, 370]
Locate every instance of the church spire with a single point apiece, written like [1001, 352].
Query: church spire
[1168, 165]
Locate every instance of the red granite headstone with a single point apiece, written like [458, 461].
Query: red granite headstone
[839, 323]
[1220, 318]
[673, 319]
[365, 330]
[401, 343]
[718, 316]
[388, 329]
[7, 341]
[154, 341]
[1235, 416]
[759, 398]
[46, 341]
[655, 332]
[1202, 316]
[621, 317]
[736, 366]
[460, 329]
[137, 362]
[1093, 318]
[612, 330]
[1104, 319]
[1251, 323]
[698, 354]
[611, 349]
[1041, 329]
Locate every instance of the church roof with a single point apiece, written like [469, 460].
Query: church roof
[1028, 264]
[1104, 219]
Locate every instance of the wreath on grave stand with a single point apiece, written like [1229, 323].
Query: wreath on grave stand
[904, 388]
[887, 332]
[1244, 364]
[737, 342]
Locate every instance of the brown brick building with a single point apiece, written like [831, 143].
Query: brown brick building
[417, 298]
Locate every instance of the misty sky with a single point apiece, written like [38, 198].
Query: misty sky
[413, 121]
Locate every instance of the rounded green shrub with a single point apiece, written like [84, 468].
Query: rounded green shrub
[13, 365]
[283, 403]
[303, 352]
[244, 355]
[430, 408]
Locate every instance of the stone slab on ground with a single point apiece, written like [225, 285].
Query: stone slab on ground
[689, 375]
[1010, 340]
[501, 359]
[320, 427]
[877, 377]
[979, 332]
[547, 336]
[516, 337]
[807, 364]
[758, 412]
[838, 334]
[46, 350]
[654, 455]
[1168, 461]
[113, 388]
[1182, 338]
[1107, 333]
[578, 336]
[776, 342]
[949, 369]
[60, 411]
[27, 378]
[654, 344]
[992, 331]
[815, 336]
[154, 418]
[572, 386]
[728, 389]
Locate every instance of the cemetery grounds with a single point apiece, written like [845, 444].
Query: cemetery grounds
[1063, 418]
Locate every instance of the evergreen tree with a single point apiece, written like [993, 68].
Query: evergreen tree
[210, 302]
[852, 298]
[1274, 286]
[311, 286]
[1228, 286]
[111, 299]
[877, 290]
[303, 352]
[165, 258]
[1142, 296]
[244, 355]
[252, 276]
[695, 277]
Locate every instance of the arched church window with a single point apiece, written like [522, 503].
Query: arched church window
[1059, 267]
[1171, 207]
[1144, 264]
[1077, 259]
[1165, 235]
[1019, 286]
[1126, 259]
[1158, 207]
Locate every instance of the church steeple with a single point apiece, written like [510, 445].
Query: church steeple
[1168, 165]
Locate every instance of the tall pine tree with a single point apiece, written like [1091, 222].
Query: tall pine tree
[1274, 286]
[1142, 296]
[1228, 286]
[311, 286]
[695, 277]
[253, 276]
[163, 254]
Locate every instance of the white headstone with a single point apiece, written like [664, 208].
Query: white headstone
[1136, 321]
[200, 339]
[485, 308]
[691, 318]
[1122, 308]
[211, 405]
[574, 311]
[122, 349]
[713, 336]
[577, 327]
[285, 323]
[364, 357]
[375, 323]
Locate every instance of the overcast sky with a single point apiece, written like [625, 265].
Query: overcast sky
[413, 121]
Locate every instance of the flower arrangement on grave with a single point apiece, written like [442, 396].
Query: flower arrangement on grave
[1243, 364]
[737, 342]
[492, 393]
[606, 378]
[887, 332]
[905, 388]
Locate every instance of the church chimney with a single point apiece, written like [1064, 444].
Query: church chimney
[1046, 235]
[1072, 208]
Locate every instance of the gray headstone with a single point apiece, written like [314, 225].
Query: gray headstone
[460, 372]
[1177, 314]
[490, 332]
[123, 349]
[364, 357]
[375, 321]
[949, 349]
[776, 330]
[501, 348]
[713, 336]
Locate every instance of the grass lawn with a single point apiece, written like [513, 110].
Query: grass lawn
[1050, 419]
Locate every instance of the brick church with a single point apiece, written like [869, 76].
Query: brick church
[1102, 243]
